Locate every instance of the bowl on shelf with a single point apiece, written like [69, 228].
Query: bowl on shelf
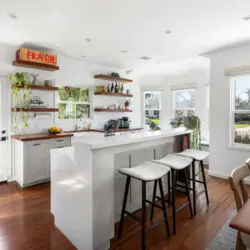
[54, 130]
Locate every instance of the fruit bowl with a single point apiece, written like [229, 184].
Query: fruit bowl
[54, 130]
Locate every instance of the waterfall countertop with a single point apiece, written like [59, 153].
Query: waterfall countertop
[99, 141]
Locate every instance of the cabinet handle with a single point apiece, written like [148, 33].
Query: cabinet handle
[60, 141]
[60, 147]
[36, 144]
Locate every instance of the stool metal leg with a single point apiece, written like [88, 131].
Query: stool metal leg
[187, 191]
[153, 200]
[143, 216]
[169, 189]
[124, 206]
[204, 180]
[173, 199]
[194, 187]
[164, 206]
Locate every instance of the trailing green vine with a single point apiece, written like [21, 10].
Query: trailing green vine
[194, 124]
[21, 97]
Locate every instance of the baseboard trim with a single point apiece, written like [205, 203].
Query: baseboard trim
[218, 175]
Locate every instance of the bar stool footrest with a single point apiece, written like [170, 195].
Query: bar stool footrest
[152, 226]
[132, 216]
[183, 206]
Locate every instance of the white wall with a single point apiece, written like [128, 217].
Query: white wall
[73, 73]
[222, 159]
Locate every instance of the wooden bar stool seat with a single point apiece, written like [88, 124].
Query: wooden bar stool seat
[145, 172]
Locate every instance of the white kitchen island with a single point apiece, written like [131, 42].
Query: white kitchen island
[87, 190]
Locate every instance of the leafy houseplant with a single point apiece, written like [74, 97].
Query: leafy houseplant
[21, 96]
[126, 104]
[176, 122]
[193, 123]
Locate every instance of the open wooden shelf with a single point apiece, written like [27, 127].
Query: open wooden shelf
[113, 94]
[34, 65]
[46, 110]
[41, 87]
[112, 78]
[112, 110]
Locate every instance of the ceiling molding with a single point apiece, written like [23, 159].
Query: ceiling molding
[236, 71]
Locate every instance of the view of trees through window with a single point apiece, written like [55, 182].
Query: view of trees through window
[184, 102]
[241, 110]
[152, 106]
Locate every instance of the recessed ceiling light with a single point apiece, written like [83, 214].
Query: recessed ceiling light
[87, 39]
[12, 16]
[246, 18]
[168, 32]
[124, 51]
[146, 58]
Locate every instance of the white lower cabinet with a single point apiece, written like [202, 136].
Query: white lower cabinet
[31, 159]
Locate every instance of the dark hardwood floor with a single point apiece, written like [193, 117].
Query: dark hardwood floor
[26, 222]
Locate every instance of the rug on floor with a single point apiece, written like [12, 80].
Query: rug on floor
[225, 239]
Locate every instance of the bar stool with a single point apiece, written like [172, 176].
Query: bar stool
[145, 172]
[175, 163]
[196, 156]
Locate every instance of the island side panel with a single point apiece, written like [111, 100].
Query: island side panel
[71, 194]
[103, 197]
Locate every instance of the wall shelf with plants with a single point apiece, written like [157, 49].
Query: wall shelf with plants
[36, 110]
[23, 103]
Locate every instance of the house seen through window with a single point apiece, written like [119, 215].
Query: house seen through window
[184, 102]
[240, 106]
[152, 106]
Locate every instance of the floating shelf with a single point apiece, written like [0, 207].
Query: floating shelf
[112, 110]
[41, 87]
[112, 78]
[113, 94]
[46, 110]
[34, 65]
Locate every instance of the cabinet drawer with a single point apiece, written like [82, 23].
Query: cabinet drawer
[60, 142]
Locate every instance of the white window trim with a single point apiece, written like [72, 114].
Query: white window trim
[181, 90]
[143, 103]
[232, 144]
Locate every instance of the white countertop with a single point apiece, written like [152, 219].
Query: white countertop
[98, 141]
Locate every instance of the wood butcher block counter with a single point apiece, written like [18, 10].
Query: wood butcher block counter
[35, 137]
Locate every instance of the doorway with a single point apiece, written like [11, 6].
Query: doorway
[5, 130]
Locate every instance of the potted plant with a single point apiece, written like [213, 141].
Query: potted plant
[126, 105]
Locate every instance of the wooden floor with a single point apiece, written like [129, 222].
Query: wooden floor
[26, 222]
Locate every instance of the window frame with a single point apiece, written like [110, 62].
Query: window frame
[232, 112]
[174, 99]
[144, 92]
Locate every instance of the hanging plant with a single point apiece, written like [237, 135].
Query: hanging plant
[21, 96]
[193, 123]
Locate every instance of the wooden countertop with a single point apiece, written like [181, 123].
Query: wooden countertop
[241, 221]
[34, 137]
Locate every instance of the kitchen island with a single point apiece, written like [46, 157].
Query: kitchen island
[87, 190]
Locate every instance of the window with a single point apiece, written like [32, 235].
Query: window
[240, 110]
[184, 102]
[73, 103]
[152, 106]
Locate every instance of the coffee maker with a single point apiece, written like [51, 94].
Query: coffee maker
[124, 122]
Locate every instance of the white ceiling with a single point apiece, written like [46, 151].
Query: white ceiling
[137, 26]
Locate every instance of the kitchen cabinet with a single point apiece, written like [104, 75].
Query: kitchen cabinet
[31, 159]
